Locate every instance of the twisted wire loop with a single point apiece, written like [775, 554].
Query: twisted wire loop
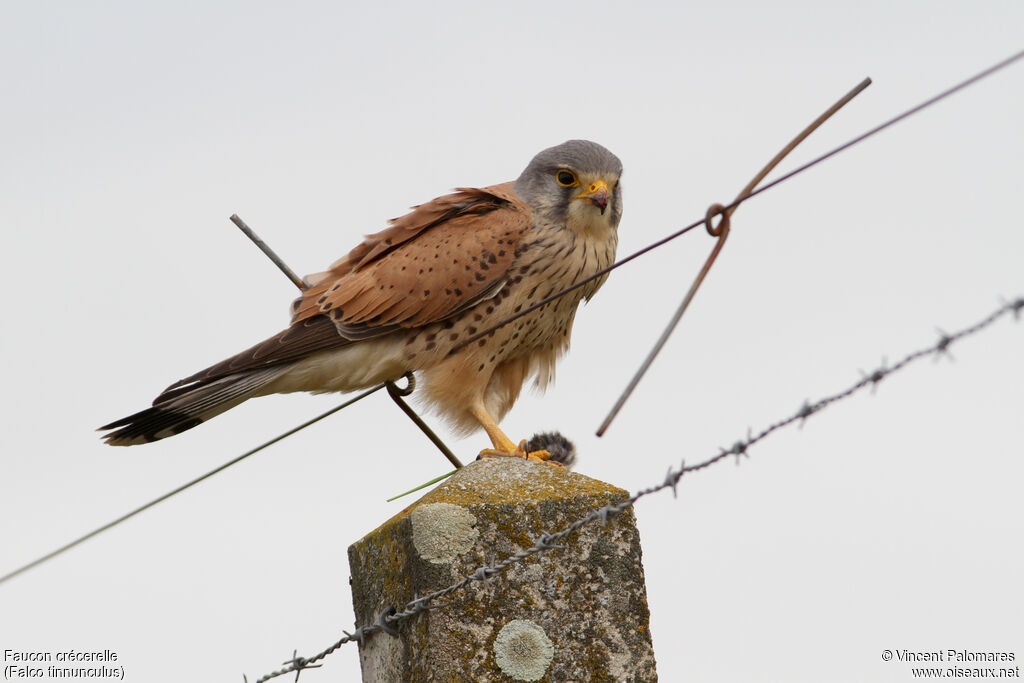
[723, 225]
[550, 541]
[721, 232]
[410, 385]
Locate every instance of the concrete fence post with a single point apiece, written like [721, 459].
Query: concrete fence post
[578, 613]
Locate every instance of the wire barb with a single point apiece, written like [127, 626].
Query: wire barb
[299, 664]
[672, 478]
[382, 621]
[942, 346]
[1016, 307]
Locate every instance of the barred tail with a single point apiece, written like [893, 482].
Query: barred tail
[182, 408]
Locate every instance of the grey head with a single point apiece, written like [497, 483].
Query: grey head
[573, 170]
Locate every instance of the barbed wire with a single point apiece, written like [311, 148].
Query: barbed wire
[549, 541]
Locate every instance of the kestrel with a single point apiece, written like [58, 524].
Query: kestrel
[405, 299]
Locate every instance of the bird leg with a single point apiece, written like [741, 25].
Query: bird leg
[503, 446]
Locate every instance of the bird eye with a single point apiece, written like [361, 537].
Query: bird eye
[566, 178]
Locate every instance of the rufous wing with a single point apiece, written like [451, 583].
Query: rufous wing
[441, 258]
[429, 264]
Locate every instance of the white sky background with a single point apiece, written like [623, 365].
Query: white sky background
[131, 133]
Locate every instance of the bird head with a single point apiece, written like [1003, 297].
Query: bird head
[575, 184]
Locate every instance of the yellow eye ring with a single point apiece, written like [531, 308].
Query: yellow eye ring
[566, 178]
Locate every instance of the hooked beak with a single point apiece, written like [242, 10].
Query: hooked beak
[597, 194]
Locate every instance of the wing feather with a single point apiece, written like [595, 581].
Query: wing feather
[440, 259]
[427, 265]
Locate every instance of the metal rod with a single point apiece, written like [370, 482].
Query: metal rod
[721, 232]
[396, 395]
[265, 248]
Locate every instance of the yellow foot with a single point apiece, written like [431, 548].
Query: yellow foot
[519, 452]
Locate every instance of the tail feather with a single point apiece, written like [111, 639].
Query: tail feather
[176, 411]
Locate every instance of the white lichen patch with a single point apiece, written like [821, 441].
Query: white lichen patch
[523, 651]
[442, 531]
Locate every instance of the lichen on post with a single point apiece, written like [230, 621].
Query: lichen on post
[575, 613]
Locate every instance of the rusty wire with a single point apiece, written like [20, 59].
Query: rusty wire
[721, 233]
[391, 615]
[764, 188]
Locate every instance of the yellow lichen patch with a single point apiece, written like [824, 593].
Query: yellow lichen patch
[508, 480]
